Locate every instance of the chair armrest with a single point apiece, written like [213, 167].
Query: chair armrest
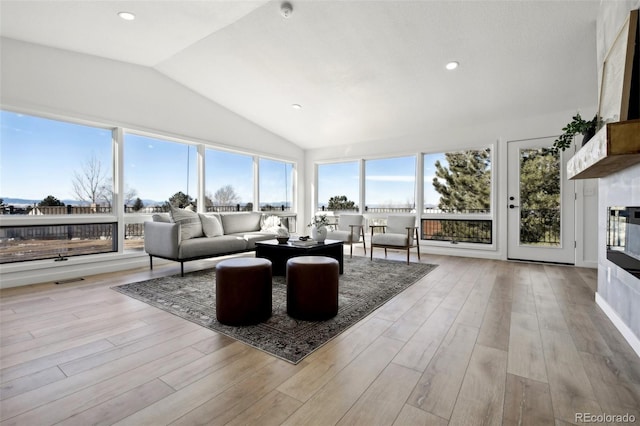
[161, 239]
[384, 228]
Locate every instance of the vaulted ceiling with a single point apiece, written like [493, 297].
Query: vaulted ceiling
[360, 70]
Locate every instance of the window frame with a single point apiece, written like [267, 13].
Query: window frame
[117, 215]
[465, 216]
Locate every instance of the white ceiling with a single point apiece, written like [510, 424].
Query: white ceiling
[362, 70]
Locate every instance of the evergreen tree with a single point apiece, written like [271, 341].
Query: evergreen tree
[464, 187]
[539, 196]
[340, 202]
[50, 200]
[179, 199]
[138, 204]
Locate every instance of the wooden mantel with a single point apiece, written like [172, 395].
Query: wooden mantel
[616, 146]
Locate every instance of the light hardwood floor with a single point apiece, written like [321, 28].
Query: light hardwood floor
[474, 342]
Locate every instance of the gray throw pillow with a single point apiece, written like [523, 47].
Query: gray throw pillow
[190, 225]
[211, 226]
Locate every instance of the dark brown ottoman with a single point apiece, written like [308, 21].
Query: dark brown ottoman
[243, 291]
[312, 287]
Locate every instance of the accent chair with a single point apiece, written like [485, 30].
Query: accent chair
[400, 233]
[349, 230]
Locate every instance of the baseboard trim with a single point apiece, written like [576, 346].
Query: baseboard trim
[628, 335]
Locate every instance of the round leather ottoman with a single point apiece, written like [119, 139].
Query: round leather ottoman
[312, 287]
[243, 291]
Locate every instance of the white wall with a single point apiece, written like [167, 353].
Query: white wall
[40, 80]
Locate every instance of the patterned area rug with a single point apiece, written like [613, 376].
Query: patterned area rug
[365, 285]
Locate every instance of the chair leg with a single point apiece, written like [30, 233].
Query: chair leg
[418, 244]
[351, 250]
[182, 269]
[408, 251]
[385, 252]
[150, 262]
[364, 243]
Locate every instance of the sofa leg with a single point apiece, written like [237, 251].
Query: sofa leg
[182, 269]
[151, 262]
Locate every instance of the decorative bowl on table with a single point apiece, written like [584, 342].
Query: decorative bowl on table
[282, 240]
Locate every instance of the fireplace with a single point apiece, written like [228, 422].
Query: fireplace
[623, 238]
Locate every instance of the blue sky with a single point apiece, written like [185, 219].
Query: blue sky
[389, 181]
[38, 157]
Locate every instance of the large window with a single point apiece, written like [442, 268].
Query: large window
[51, 168]
[390, 185]
[228, 181]
[339, 186]
[58, 181]
[46, 164]
[158, 173]
[457, 196]
[275, 183]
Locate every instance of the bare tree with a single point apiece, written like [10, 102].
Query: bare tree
[226, 196]
[90, 181]
[107, 193]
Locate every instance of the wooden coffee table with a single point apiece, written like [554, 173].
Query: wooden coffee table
[278, 253]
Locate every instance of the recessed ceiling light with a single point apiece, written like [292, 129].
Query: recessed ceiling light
[452, 65]
[296, 106]
[127, 16]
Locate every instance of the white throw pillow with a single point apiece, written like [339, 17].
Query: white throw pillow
[211, 226]
[190, 225]
[270, 224]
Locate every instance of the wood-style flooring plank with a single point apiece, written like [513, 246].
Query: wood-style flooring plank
[271, 410]
[419, 350]
[438, 387]
[571, 391]
[331, 402]
[384, 399]
[194, 395]
[525, 354]
[332, 358]
[411, 415]
[527, 402]
[481, 398]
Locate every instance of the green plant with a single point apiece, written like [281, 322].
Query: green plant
[577, 126]
[320, 220]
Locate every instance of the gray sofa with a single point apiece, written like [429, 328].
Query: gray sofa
[182, 235]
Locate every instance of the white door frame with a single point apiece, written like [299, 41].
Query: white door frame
[566, 252]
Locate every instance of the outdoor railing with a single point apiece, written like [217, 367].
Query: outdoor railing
[540, 226]
[457, 231]
[368, 209]
[39, 242]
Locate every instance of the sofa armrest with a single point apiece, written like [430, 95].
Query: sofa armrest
[162, 239]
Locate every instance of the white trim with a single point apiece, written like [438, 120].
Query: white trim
[628, 335]
[19, 274]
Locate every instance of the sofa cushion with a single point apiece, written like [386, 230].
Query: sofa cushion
[161, 217]
[211, 226]
[190, 225]
[206, 247]
[233, 223]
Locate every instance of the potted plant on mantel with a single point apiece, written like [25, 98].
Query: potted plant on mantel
[577, 126]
